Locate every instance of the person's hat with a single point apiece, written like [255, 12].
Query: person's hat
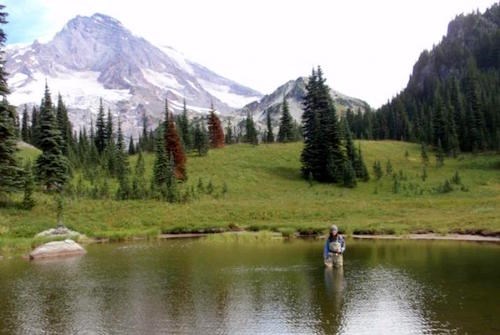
[334, 228]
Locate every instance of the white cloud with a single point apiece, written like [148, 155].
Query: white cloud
[366, 48]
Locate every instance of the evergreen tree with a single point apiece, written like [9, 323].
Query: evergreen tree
[28, 201]
[439, 120]
[64, 126]
[160, 164]
[122, 166]
[215, 131]
[25, 128]
[285, 133]
[145, 140]
[138, 185]
[250, 131]
[269, 133]
[200, 140]
[349, 175]
[173, 146]
[474, 117]
[351, 152]
[10, 172]
[184, 128]
[35, 127]
[229, 134]
[51, 166]
[131, 146]
[109, 135]
[324, 153]
[360, 167]
[101, 132]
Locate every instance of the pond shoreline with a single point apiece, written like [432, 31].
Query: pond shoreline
[431, 236]
[422, 237]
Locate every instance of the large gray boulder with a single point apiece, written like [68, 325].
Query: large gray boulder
[57, 249]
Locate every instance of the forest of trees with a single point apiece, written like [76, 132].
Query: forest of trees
[451, 103]
[452, 100]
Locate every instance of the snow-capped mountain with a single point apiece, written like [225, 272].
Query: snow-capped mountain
[94, 57]
[294, 92]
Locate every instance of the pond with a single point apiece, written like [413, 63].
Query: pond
[265, 287]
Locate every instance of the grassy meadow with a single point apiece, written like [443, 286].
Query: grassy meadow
[266, 192]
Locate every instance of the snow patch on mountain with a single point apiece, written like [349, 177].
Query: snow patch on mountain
[223, 92]
[161, 80]
[179, 58]
[78, 89]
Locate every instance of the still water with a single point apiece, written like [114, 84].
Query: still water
[271, 287]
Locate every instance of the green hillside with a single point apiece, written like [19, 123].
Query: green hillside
[265, 191]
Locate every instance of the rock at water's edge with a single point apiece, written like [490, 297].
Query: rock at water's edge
[57, 249]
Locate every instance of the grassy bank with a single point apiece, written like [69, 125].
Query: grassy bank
[265, 192]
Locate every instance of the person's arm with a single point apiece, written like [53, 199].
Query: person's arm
[325, 250]
[342, 245]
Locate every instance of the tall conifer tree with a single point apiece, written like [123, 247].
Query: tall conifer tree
[215, 131]
[173, 146]
[51, 166]
[285, 133]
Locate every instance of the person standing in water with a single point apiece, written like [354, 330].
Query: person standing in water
[334, 245]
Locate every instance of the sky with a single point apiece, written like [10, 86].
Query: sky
[366, 48]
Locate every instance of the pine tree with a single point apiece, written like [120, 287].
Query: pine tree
[310, 119]
[160, 164]
[28, 201]
[145, 139]
[250, 131]
[138, 185]
[474, 117]
[173, 146]
[362, 171]
[215, 131]
[200, 140]
[10, 172]
[229, 134]
[122, 166]
[323, 155]
[351, 152]
[349, 176]
[64, 126]
[35, 127]
[51, 166]
[184, 128]
[109, 135]
[131, 147]
[25, 128]
[285, 133]
[100, 134]
[439, 121]
[269, 133]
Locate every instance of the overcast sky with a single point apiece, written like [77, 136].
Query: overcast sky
[366, 48]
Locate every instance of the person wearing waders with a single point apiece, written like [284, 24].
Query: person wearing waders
[334, 248]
